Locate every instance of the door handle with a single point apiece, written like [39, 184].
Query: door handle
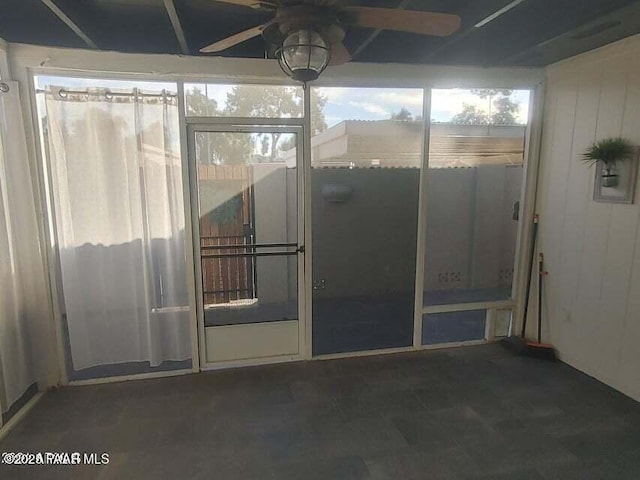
[205, 250]
[205, 254]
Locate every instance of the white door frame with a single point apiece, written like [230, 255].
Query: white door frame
[248, 125]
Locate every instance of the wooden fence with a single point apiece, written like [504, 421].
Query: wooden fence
[230, 278]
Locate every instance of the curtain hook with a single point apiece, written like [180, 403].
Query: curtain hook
[4, 87]
[62, 93]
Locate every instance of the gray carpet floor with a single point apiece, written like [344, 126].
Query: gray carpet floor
[471, 413]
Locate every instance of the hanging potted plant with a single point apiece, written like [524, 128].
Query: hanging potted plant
[607, 153]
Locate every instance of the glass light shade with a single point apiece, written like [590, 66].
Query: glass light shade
[304, 55]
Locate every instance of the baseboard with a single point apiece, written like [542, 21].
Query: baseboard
[20, 414]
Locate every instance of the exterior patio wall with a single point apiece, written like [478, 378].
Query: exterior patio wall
[471, 230]
[367, 244]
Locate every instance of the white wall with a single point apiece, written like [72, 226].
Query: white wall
[592, 249]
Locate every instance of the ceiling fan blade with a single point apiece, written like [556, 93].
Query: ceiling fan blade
[339, 54]
[425, 23]
[257, 4]
[235, 39]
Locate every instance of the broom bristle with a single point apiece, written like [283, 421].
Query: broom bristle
[540, 350]
[531, 349]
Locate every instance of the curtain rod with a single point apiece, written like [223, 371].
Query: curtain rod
[106, 93]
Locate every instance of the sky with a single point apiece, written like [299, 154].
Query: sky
[368, 103]
[380, 103]
[446, 103]
[342, 103]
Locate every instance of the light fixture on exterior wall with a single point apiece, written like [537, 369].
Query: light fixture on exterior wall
[304, 55]
[336, 193]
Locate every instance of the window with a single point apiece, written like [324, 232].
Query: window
[245, 100]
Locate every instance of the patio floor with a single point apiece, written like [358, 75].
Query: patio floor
[468, 413]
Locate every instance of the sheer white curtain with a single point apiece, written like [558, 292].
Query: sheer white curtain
[26, 336]
[116, 179]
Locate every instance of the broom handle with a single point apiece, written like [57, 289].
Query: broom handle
[534, 235]
[541, 274]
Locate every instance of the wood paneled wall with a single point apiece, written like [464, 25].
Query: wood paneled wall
[592, 293]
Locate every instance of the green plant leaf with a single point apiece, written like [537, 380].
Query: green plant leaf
[608, 150]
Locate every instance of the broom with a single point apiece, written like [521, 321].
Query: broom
[520, 344]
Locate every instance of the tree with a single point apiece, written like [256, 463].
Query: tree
[491, 92]
[249, 101]
[269, 102]
[506, 111]
[502, 109]
[470, 115]
[199, 105]
[275, 102]
[318, 122]
[403, 115]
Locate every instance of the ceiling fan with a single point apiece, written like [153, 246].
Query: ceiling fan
[308, 34]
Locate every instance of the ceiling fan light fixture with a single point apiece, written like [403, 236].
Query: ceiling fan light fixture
[304, 55]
